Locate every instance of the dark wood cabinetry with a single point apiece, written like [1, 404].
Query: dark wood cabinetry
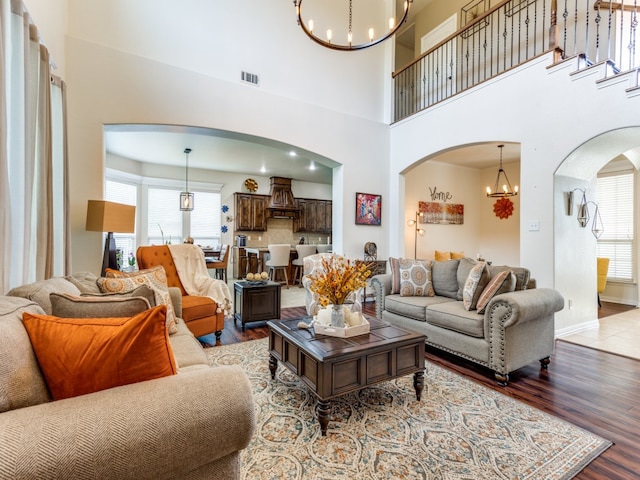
[314, 217]
[251, 212]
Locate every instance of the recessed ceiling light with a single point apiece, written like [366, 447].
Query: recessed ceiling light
[263, 169]
[312, 165]
[292, 153]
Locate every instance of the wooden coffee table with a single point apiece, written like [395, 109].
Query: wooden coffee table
[332, 366]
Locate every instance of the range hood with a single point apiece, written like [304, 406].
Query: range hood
[282, 204]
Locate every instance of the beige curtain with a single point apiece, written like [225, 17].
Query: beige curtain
[27, 167]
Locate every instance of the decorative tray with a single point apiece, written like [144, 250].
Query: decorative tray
[256, 282]
[344, 332]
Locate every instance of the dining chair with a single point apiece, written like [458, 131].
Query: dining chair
[221, 264]
[298, 263]
[279, 261]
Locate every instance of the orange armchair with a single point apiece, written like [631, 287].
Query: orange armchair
[199, 313]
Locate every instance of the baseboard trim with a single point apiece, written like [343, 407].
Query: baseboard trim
[565, 332]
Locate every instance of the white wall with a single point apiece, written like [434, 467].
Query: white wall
[497, 240]
[550, 115]
[50, 16]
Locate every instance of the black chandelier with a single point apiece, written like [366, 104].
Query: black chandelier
[308, 28]
[503, 187]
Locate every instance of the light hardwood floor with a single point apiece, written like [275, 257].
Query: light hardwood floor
[618, 331]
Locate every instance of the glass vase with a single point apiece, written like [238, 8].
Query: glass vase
[337, 316]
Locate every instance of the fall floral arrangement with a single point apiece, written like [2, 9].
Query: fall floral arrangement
[337, 279]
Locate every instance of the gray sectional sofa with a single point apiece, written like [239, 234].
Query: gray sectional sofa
[189, 425]
[514, 329]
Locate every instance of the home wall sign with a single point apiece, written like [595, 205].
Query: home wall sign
[441, 213]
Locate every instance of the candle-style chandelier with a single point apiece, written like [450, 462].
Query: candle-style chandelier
[502, 187]
[355, 35]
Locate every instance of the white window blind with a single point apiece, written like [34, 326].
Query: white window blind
[615, 202]
[205, 219]
[128, 194]
[164, 218]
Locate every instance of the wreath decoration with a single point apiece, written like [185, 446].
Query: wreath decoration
[503, 208]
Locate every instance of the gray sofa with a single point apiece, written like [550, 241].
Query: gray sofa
[189, 425]
[515, 329]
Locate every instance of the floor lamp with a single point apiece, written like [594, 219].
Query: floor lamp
[103, 216]
[417, 231]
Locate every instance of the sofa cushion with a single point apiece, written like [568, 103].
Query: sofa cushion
[80, 356]
[85, 281]
[415, 278]
[453, 316]
[39, 291]
[109, 305]
[154, 278]
[473, 287]
[503, 282]
[523, 275]
[444, 278]
[21, 382]
[412, 307]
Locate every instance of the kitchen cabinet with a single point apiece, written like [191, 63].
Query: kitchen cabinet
[251, 212]
[314, 217]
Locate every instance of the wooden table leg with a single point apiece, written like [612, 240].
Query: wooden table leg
[418, 383]
[323, 416]
[273, 365]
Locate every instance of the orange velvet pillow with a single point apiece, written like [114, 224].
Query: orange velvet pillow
[83, 355]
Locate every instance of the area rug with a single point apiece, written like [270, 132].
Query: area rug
[459, 430]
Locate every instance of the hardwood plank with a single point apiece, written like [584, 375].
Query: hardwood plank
[594, 390]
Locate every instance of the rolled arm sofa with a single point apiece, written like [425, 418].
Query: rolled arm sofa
[192, 424]
[514, 328]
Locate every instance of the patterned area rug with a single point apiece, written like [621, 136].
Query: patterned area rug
[459, 430]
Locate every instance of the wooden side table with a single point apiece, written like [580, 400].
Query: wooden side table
[256, 302]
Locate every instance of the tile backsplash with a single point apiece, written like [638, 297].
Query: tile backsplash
[280, 230]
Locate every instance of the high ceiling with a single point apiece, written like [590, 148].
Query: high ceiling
[238, 153]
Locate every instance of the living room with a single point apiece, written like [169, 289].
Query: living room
[123, 65]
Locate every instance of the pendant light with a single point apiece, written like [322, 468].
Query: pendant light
[186, 197]
[502, 187]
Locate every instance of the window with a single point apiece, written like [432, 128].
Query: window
[166, 223]
[205, 219]
[615, 202]
[128, 194]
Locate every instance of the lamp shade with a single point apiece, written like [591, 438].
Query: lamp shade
[103, 216]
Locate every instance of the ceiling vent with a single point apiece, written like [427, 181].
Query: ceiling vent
[251, 78]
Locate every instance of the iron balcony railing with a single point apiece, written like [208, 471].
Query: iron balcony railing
[512, 33]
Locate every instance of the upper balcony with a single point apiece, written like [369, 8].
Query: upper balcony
[511, 33]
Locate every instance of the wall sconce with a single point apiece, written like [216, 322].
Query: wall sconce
[417, 231]
[583, 215]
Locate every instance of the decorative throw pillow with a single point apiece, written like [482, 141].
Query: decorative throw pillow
[155, 278]
[415, 278]
[395, 274]
[472, 288]
[72, 306]
[442, 256]
[444, 278]
[457, 255]
[80, 356]
[504, 281]
[464, 267]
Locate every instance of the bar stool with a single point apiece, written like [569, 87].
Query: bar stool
[279, 261]
[298, 263]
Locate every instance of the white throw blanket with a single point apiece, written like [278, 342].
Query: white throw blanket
[192, 270]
